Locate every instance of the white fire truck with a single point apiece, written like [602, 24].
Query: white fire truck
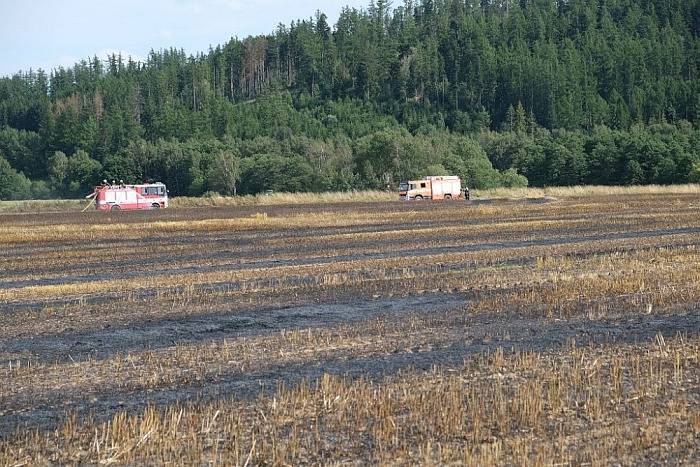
[446, 187]
[116, 197]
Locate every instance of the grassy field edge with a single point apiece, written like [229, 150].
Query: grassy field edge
[38, 206]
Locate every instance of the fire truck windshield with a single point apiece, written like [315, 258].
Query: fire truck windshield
[154, 190]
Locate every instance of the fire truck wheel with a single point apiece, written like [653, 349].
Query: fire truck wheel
[448, 197]
[116, 207]
[419, 198]
[155, 206]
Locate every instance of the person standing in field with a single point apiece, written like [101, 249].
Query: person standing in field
[466, 193]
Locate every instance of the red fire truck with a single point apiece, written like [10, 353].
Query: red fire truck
[116, 197]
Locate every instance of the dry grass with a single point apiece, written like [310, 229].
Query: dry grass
[588, 190]
[386, 333]
[623, 404]
[36, 206]
[286, 198]
[274, 199]
[39, 206]
[134, 229]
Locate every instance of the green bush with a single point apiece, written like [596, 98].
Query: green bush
[223, 173]
[40, 190]
[277, 173]
[58, 170]
[13, 184]
[436, 169]
[694, 174]
[512, 179]
[82, 173]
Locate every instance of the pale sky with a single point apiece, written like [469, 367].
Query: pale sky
[50, 33]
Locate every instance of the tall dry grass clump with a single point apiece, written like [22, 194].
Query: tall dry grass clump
[588, 190]
[39, 206]
[285, 198]
[74, 205]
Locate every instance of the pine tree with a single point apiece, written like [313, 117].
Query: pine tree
[520, 122]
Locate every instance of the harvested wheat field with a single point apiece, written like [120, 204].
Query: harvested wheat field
[528, 332]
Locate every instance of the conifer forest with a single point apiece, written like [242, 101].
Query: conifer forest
[499, 92]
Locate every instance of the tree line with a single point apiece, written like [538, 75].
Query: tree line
[500, 92]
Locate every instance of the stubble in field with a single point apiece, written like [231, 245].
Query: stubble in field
[562, 332]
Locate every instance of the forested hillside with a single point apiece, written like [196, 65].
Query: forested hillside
[501, 92]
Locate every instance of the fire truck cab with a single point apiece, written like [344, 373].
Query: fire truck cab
[116, 197]
[445, 187]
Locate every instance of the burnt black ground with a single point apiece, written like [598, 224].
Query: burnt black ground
[476, 334]
[232, 251]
